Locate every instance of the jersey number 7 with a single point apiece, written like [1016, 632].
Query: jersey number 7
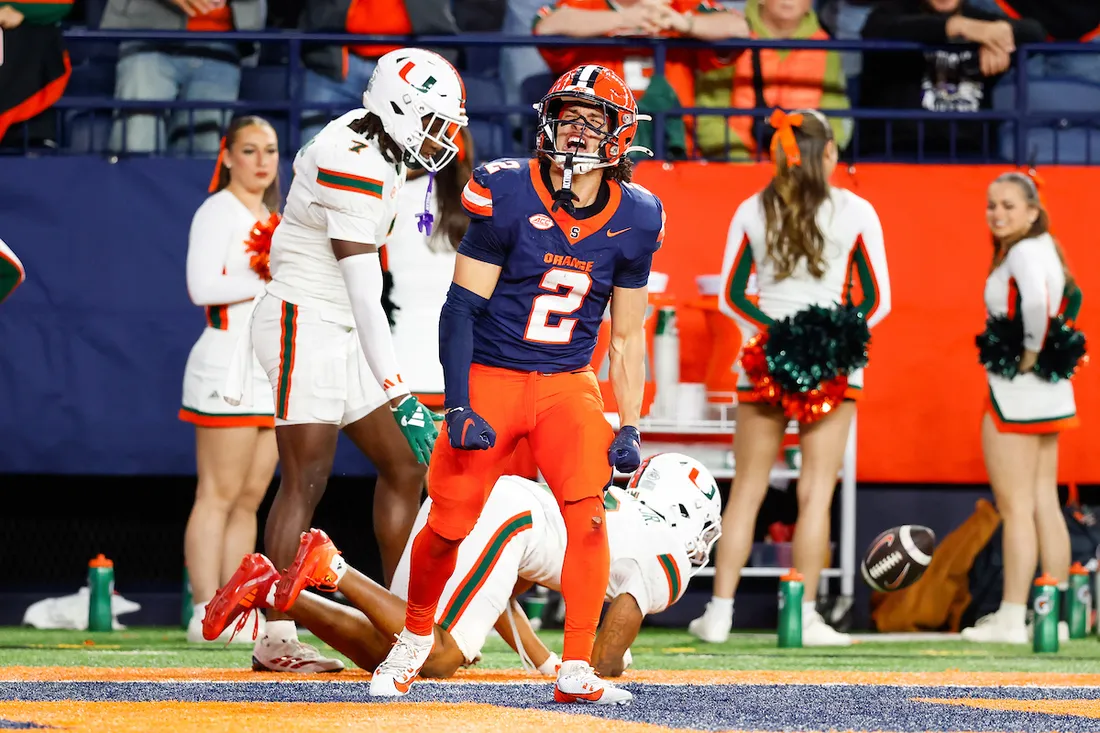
[576, 286]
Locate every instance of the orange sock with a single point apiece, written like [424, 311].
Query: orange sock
[584, 575]
[431, 564]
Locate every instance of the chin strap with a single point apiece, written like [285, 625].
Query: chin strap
[564, 196]
[425, 219]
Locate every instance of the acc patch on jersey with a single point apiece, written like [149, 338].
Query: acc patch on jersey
[541, 221]
[898, 557]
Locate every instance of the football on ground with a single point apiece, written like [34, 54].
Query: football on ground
[898, 557]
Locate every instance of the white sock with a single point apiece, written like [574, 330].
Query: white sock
[282, 629]
[721, 607]
[269, 599]
[808, 609]
[1014, 613]
[199, 611]
[338, 567]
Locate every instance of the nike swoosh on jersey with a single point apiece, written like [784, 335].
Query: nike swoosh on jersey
[615, 234]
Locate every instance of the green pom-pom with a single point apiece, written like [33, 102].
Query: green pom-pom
[1000, 346]
[1062, 351]
[815, 345]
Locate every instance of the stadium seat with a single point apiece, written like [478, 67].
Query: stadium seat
[92, 79]
[1053, 141]
[488, 133]
[263, 84]
[482, 61]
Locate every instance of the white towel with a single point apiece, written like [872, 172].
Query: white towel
[238, 382]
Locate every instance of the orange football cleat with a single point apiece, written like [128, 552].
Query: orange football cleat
[246, 590]
[313, 567]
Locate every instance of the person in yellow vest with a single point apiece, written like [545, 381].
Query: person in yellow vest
[796, 79]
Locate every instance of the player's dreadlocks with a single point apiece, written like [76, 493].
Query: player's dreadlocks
[370, 127]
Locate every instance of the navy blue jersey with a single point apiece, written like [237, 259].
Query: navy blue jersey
[557, 270]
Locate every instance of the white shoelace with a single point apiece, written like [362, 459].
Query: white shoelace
[401, 659]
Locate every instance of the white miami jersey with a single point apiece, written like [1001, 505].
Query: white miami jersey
[854, 249]
[1031, 279]
[219, 266]
[648, 559]
[343, 188]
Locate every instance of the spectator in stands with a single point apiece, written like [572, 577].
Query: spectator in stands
[421, 267]
[34, 69]
[702, 19]
[337, 75]
[794, 79]
[234, 446]
[207, 71]
[1065, 20]
[1029, 281]
[936, 81]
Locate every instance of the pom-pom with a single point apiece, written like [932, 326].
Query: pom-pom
[1000, 346]
[259, 246]
[816, 345]
[802, 363]
[1062, 353]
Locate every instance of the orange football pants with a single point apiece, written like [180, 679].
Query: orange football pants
[561, 415]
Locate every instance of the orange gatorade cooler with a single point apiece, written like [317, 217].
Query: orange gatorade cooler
[725, 342]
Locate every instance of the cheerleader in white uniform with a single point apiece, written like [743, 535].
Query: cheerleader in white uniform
[422, 268]
[1024, 415]
[807, 243]
[234, 446]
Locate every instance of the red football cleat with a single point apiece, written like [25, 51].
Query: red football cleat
[245, 591]
[312, 568]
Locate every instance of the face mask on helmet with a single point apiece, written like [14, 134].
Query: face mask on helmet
[587, 130]
[439, 143]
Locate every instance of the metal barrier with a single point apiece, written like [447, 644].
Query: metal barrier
[293, 106]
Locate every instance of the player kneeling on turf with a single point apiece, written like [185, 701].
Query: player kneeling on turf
[660, 530]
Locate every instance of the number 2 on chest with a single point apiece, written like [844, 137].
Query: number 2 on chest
[576, 286]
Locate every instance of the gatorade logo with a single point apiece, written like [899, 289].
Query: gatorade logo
[1083, 595]
[1042, 606]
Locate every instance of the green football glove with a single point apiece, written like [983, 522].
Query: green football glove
[416, 425]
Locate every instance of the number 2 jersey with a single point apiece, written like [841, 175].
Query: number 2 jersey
[343, 188]
[558, 269]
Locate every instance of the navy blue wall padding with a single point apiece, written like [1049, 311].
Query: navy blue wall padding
[93, 345]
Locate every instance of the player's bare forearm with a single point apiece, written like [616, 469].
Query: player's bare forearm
[532, 644]
[620, 628]
[627, 352]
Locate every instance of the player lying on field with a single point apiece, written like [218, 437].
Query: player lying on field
[660, 529]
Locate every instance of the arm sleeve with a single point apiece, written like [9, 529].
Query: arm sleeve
[456, 343]
[737, 265]
[1027, 270]
[869, 263]
[207, 248]
[352, 201]
[363, 278]
[558, 58]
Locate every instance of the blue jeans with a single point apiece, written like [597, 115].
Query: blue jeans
[517, 63]
[348, 94]
[154, 75]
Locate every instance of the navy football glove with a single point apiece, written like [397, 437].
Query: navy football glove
[469, 430]
[626, 450]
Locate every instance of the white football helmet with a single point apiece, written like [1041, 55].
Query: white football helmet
[419, 96]
[683, 491]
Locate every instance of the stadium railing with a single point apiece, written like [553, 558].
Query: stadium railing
[1010, 129]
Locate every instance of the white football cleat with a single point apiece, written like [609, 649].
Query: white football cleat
[713, 626]
[577, 682]
[290, 655]
[815, 632]
[395, 675]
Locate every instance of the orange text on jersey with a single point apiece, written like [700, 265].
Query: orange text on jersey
[567, 261]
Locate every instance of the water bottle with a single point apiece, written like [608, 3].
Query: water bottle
[666, 363]
[534, 603]
[1045, 637]
[790, 610]
[1078, 602]
[101, 584]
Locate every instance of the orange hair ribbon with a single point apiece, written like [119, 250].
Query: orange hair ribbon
[217, 167]
[784, 125]
[1038, 182]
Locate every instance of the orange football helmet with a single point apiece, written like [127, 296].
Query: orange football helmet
[600, 88]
